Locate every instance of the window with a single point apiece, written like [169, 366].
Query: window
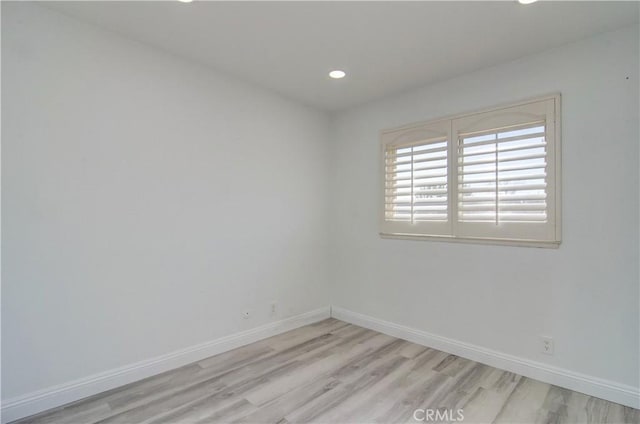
[491, 176]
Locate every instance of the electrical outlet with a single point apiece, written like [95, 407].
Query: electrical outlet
[546, 345]
[245, 314]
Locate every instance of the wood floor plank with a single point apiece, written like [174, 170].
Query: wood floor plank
[363, 404]
[350, 372]
[335, 372]
[166, 403]
[483, 406]
[314, 410]
[139, 394]
[372, 348]
[501, 381]
[209, 409]
[72, 415]
[416, 396]
[275, 410]
[236, 357]
[524, 403]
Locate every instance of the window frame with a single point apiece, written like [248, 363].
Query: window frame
[554, 185]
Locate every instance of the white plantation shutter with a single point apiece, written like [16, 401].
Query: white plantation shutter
[497, 180]
[416, 180]
[506, 173]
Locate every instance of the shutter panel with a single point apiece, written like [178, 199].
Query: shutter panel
[416, 180]
[505, 181]
[502, 175]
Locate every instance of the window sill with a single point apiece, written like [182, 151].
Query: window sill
[498, 242]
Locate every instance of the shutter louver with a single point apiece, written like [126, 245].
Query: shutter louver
[502, 175]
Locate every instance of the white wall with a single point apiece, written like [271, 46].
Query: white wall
[585, 294]
[146, 202]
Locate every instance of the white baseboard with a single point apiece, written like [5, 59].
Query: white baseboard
[32, 403]
[593, 386]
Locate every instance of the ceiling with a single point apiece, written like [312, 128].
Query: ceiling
[385, 47]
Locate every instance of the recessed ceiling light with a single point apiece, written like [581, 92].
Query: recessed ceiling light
[337, 74]
[185, 1]
[527, 1]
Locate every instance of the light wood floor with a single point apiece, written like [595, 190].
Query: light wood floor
[334, 372]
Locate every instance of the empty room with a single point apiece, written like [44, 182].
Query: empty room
[320, 212]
